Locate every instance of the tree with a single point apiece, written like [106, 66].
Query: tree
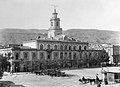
[104, 56]
[3, 65]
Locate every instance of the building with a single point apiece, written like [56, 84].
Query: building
[57, 49]
[107, 47]
[116, 54]
[111, 75]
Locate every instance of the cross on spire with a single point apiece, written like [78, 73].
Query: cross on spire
[54, 6]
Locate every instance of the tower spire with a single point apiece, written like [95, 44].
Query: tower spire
[54, 6]
[54, 13]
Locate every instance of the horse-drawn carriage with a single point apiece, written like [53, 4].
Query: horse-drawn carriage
[51, 72]
[90, 80]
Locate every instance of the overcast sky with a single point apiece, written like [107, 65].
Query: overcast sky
[80, 14]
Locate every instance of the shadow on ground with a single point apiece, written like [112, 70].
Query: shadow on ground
[9, 84]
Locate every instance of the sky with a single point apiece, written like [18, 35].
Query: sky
[74, 14]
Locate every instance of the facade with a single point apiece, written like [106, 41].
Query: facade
[57, 49]
[108, 48]
[116, 54]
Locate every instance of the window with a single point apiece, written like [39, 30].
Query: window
[79, 47]
[57, 23]
[25, 55]
[17, 56]
[41, 47]
[48, 56]
[70, 56]
[65, 54]
[116, 76]
[74, 56]
[84, 47]
[55, 55]
[61, 55]
[41, 55]
[61, 47]
[33, 55]
[65, 47]
[55, 47]
[74, 47]
[48, 47]
[69, 47]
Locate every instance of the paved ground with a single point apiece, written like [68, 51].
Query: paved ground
[32, 80]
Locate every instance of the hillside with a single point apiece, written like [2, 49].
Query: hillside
[94, 35]
[17, 36]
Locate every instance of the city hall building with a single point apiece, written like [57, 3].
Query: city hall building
[57, 47]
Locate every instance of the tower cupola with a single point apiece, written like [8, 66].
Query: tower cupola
[54, 29]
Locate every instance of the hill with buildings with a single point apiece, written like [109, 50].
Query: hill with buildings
[17, 36]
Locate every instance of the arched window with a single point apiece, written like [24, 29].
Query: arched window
[69, 47]
[48, 47]
[65, 47]
[55, 55]
[57, 23]
[41, 55]
[84, 47]
[33, 55]
[55, 47]
[41, 47]
[74, 56]
[80, 47]
[17, 56]
[25, 55]
[61, 47]
[70, 56]
[61, 55]
[65, 55]
[74, 47]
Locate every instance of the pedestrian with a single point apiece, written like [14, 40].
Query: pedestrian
[99, 84]
[105, 79]
[97, 79]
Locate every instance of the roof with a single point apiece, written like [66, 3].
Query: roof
[59, 38]
[112, 70]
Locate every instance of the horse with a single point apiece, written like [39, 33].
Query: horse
[91, 81]
[83, 80]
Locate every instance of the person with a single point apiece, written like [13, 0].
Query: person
[105, 79]
[83, 79]
[99, 84]
[97, 79]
